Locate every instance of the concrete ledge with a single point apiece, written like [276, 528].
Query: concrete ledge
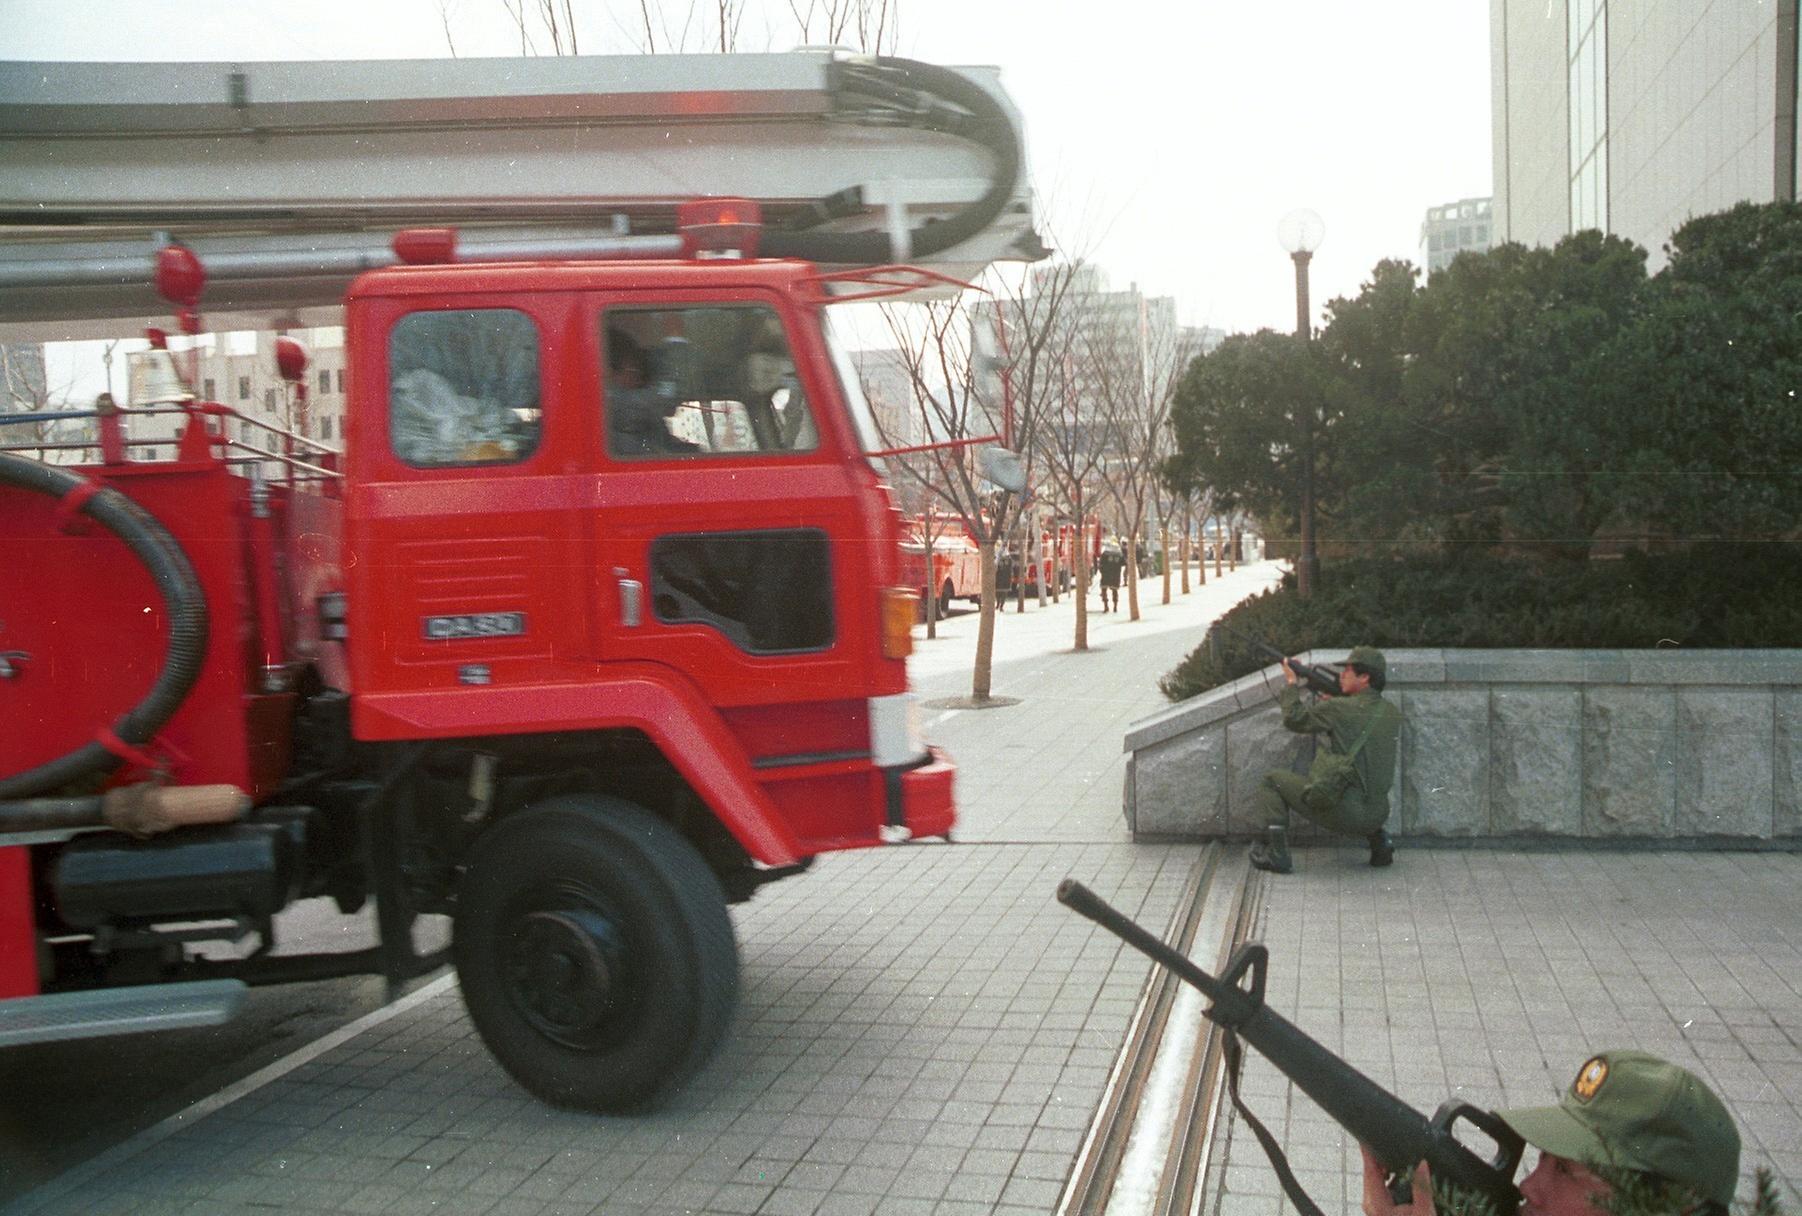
[1514, 745]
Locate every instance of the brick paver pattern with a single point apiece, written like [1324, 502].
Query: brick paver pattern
[1490, 976]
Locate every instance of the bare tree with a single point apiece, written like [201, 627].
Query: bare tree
[868, 25]
[1070, 442]
[549, 27]
[1135, 363]
[935, 344]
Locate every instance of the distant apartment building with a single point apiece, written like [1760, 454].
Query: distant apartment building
[1105, 346]
[1633, 117]
[238, 370]
[888, 385]
[1452, 229]
[24, 385]
[25, 389]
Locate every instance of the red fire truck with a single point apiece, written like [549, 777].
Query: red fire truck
[596, 623]
[955, 571]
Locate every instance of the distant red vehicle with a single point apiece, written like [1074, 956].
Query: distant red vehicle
[1055, 564]
[956, 568]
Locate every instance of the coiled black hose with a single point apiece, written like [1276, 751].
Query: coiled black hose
[974, 114]
[179, 587]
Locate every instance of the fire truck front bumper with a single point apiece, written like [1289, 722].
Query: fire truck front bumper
[920, 801]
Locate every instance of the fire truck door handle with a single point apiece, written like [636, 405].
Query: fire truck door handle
[631, 599]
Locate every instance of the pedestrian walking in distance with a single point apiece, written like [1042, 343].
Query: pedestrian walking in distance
[1347, 788]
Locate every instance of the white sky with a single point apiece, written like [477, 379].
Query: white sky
[1167, 137]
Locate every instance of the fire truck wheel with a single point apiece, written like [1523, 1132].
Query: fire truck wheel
[594, 952]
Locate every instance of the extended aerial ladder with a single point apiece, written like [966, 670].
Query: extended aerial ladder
[289, 179]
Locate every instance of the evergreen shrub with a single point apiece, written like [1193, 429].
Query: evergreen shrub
[1716, 596]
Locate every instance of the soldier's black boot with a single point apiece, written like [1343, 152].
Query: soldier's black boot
[1382, 849]
[1273, 855]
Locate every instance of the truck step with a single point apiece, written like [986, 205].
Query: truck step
[104, 1011]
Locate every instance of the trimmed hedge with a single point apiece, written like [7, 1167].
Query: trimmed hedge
[1721, 596]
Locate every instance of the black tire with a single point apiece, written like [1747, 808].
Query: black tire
[594, 953]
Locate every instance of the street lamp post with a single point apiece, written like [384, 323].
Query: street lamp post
[1301, 232]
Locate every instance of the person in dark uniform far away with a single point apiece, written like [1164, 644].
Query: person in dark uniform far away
[1110, 564]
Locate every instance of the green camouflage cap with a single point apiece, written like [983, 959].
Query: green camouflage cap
[1369, 658]
[1634, 1111]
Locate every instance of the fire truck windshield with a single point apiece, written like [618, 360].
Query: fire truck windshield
[869, 435]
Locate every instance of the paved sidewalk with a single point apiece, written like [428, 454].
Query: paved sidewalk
[1490, 976]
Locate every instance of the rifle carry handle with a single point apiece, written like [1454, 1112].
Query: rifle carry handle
[1509, 1146]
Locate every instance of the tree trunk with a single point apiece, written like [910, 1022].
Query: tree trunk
[1132, 574]
[1081, 557]
[1020, 587]
[1183, 547]
[1219, 544]
[1057, 563]
[1045, 565]
[981, 670]
[1232, 555]
[1164, 548]
[929, 604]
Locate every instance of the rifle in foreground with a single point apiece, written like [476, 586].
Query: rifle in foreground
[1319, 679]
[1399, 1136]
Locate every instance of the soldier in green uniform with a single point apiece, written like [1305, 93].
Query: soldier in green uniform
[1359, 724]
[1643, 1118]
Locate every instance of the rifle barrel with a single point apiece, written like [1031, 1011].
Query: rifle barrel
[1399, 1136]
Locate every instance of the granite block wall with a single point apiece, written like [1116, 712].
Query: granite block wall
[1695, 745]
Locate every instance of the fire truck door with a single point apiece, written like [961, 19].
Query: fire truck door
[720, 509]
[464, 523]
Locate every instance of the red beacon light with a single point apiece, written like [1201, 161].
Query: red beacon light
[426, 246]
[180, 278]
[291, 359]
[719, 227]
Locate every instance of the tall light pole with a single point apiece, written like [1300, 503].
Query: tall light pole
[1301, 232]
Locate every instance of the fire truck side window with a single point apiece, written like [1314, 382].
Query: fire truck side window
[463, 387]
[769, 592]
[684, 382]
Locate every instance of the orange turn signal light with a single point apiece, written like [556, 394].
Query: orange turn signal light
[899, 606]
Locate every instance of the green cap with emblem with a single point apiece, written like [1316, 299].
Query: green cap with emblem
[1369, 658]
[1634, 1111]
